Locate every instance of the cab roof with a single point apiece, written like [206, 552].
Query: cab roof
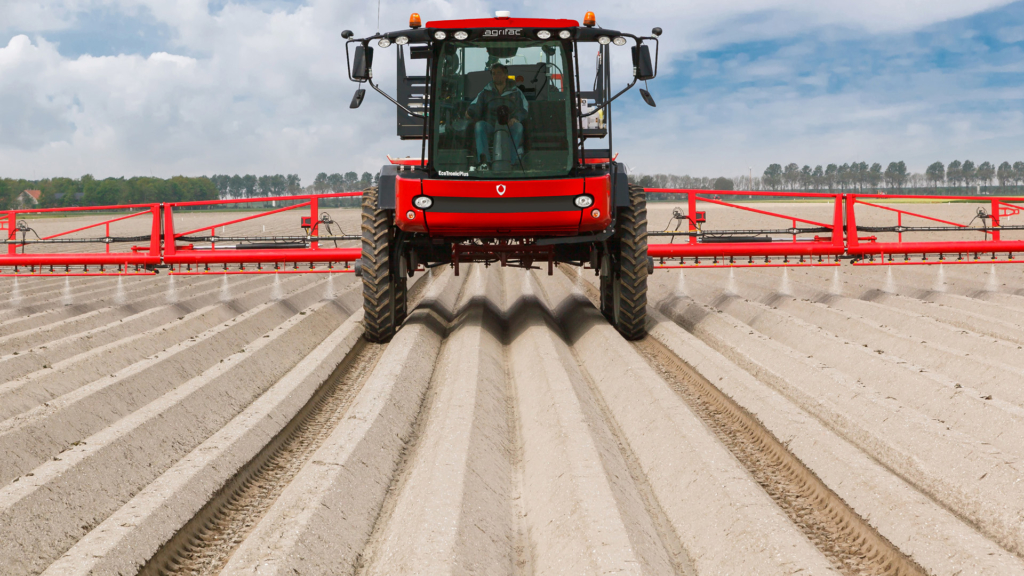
[504, 23]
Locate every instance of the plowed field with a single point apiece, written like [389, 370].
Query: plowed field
[854, 421]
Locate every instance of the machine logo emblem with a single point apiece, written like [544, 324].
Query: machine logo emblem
[501, 189]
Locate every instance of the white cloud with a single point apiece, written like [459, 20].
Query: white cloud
[246, 90]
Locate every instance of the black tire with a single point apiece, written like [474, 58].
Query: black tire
[607, 297]
[401, 300]
[625, 288]
[379, 286]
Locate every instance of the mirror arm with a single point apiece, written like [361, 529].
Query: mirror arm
[610, 100]
[348, 64]
[393, 101]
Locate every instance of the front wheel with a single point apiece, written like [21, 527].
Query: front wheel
[624, 286]
[384, 294]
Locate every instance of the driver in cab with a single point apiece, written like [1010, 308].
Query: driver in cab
[500, 105]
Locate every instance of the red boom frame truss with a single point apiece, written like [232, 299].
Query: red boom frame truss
[804, 242]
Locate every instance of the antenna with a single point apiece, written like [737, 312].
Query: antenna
[378, 16]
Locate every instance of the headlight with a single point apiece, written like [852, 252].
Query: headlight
[564, 34]
[619, 41]
[543, 34]
[583, 201]
[410, 215]
[384, 43]
[402, 40]
[604, 40]
[460, 35]
[422, 202]
[440, 35]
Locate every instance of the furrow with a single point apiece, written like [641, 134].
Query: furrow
[77, 490]
[88, 325]
[920, 386]
[203, 545]
[210, 474]
[324, 518]
[923, 529]
[71, 300]
[51, 352]
[972, 479]
[718, 481]
[46, 430]
[584, 514]
[450, 508]
[134, 353]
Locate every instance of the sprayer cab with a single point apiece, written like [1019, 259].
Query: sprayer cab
[516, 164]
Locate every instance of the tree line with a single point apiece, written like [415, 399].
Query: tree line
[938, 178]
[89, 191]
[860, 176]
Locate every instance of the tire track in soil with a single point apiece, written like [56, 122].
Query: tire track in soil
[846, 539]
[205, 543]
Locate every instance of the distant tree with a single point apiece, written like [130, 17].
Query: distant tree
[336, 182]
[856, 176]
[351, 178]
[986, 172]
[791, 175]
[875, 175]
[294, 184]
[935, 173]
[103, 193]
[818, 177]
[278, 185]
[723, 183]
[773, 176]
[969, 173]
[902, 174]
[376, 179]
[265, 186]
[365, 180]
[1018, 172]
[896, 174]
[1005, 174]
[806, 179]
[954, 173]
[5, 194]
[223, 184]
[646, 182]
[321, 184]
[831, 176]
[843, 176]
[864, 173]
[250, 186]
[237, 186]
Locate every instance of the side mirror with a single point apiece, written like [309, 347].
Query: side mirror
[362, 63]
[648, 98]
[357, 98]
[642, 68]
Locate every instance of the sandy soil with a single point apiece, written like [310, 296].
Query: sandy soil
[776, 421]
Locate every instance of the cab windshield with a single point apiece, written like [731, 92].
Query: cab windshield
[502, 109]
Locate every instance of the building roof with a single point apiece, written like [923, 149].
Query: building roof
[34, 194]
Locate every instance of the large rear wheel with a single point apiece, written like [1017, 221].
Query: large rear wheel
[624, 286]
[384, 294]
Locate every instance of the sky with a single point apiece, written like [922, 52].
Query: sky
[202, 87]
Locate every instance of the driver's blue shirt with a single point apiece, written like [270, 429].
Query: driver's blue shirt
[488, 101]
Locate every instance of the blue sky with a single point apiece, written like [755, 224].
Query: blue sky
[114, 87]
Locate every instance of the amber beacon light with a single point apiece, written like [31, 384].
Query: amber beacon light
[414, 20]
[589, 20]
